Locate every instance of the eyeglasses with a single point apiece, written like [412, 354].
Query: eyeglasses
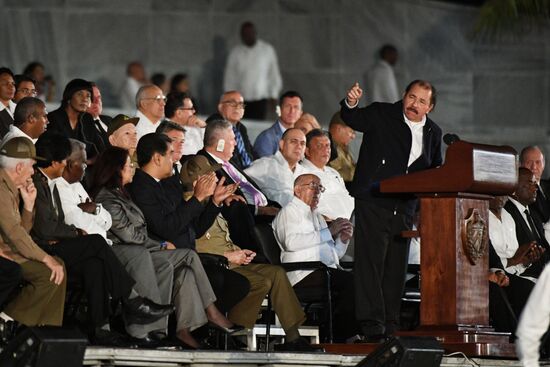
[186, 108]
[28, 92]
[235, 104]
[315, 186]
[157, 99]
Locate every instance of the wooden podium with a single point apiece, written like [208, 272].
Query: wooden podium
[453, 229]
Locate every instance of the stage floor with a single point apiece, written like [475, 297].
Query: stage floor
[97, 356]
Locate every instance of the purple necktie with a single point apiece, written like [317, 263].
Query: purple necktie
[243, 185]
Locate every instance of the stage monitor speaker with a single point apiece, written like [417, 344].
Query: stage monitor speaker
[406, 352]
[45, 347]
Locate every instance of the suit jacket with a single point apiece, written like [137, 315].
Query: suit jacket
[267, 143]
[525, 235]
[15, 225]
[228, 180]
[5, 121]
[129, 226]
[385, 151]
[85, 130]
[49, 223]
[237, 159]
[168, 218]
[542, 205]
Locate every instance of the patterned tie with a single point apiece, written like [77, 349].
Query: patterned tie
[244, 185]
[245, 157]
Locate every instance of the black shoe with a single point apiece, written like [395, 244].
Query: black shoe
[139, 310]
[227, 330]
[108, 338]
[298, 345]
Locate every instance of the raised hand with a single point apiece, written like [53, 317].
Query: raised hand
[205, 186]
[354, 94]
[28, 194]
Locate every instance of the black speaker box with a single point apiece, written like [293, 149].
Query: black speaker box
[45, 347]
[406, 352]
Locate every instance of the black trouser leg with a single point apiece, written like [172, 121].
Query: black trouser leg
[229, 287]
[10, 277]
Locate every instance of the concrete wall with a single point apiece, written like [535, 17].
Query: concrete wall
[487, 92]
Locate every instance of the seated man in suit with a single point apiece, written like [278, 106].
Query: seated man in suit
[179, 221]
[531, 157]
[303, 235]
[7, 106]
[219, 146]
[276, 174]
[30, 119]
[264, 278]
[528, 225]
[87, 257]
[512, 259]
[41, 300]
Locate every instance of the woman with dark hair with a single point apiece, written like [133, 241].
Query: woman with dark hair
[180, 83]
[173, 273]
[72, 121]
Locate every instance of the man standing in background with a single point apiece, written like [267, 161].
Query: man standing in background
[381, 78]
[252, 69]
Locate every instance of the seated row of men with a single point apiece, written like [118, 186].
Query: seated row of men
[160, 219]
[519, 246]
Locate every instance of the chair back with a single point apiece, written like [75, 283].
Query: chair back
[266, 239]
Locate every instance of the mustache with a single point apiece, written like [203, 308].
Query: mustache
[412, 109]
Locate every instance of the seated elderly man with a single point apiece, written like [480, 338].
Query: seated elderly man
[122, 133]
[42, 298]
[264, 278]
[336, 200]
[276, 174]
[303, 235]
[150, 102]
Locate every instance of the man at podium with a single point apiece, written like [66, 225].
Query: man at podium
[398, 138]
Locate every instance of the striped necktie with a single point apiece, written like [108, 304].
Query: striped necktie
[245, 157]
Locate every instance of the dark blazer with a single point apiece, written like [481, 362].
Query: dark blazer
[525, 235]
[5, 121]
[237, 159]
[542, 205]
[167, 218]
[228, 180]
[385, 151]
[85, 130]
[129, 226]
[49, 223]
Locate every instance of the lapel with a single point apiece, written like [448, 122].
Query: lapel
[523, 231]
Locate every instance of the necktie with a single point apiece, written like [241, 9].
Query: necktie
[99, 127]
[245, 157]
[245, 186]
[534, 229]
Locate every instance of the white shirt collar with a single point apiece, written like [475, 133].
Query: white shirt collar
[413, 124]
[10, 109]
[519, 205]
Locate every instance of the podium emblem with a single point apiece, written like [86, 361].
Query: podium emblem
[474, 236]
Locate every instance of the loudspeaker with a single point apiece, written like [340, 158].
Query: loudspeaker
[406, 352]
[45, 347]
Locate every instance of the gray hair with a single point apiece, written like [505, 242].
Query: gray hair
[10, 162]
[78, 149]
[140, 95]
[214, 131]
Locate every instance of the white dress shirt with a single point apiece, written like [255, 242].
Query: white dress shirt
[382, 83]
[335, 202]
[503, 238]
[73, 194]
[253, 71]
[128, 94]
[417, 131]
[15, 132]
[194, 140]
[303, 235]
[10, 108]
[534, 321]
[144, 125]
[274, 177]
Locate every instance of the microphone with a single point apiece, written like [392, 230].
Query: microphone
[450, 138]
